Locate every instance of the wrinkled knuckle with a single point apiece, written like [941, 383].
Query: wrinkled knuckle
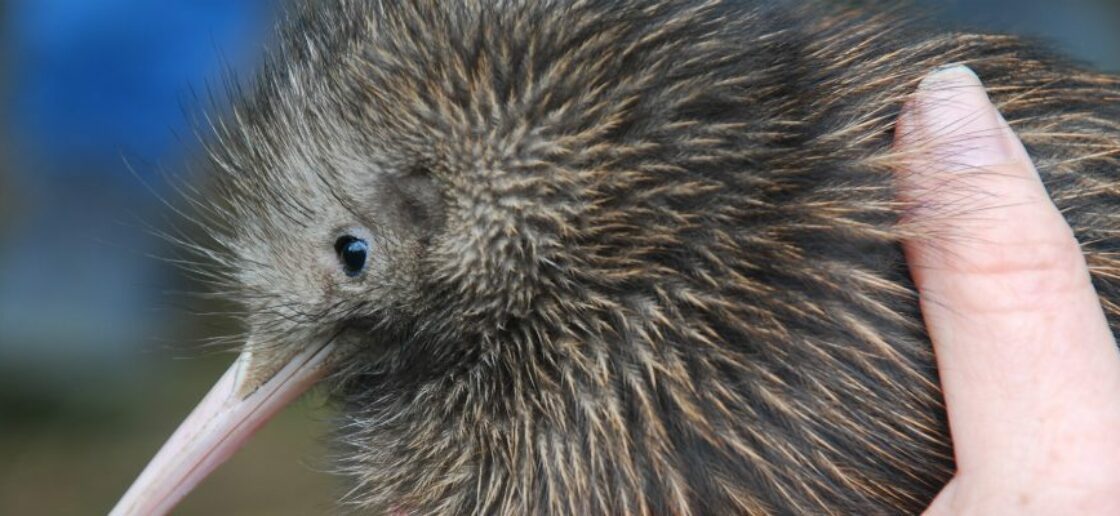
[1028, 277]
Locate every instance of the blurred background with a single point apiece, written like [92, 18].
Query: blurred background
[99, 354]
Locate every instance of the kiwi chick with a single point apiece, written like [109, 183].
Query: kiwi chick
[621, 256]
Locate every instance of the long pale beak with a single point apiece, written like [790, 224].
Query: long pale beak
[242, 401]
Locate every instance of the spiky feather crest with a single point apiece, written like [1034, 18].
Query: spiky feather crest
[662, 274]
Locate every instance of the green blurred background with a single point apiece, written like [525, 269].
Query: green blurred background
[100, 355]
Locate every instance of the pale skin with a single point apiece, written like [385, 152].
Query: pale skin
[1028, 365]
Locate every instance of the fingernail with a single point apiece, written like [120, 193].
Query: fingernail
[959, 123]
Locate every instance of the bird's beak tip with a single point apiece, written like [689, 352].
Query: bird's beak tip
[249, 393]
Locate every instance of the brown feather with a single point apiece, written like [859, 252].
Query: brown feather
[662, 273]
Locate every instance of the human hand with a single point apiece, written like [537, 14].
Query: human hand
[1029, 368]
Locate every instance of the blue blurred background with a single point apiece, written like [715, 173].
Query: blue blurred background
[88, 86]
[96, 357]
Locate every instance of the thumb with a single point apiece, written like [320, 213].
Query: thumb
[1028, 365]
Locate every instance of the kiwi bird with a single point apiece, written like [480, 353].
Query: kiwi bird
[606, 257]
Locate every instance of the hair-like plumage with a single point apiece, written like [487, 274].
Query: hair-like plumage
[661, 269]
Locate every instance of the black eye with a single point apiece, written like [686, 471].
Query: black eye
[352, 252]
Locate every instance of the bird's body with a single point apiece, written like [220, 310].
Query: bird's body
[625, 257]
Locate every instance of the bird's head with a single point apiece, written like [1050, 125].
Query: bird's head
[477, 220]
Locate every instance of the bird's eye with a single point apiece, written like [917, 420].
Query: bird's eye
[352, 252]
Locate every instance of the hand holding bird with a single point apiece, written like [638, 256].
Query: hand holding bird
[1029, 366]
